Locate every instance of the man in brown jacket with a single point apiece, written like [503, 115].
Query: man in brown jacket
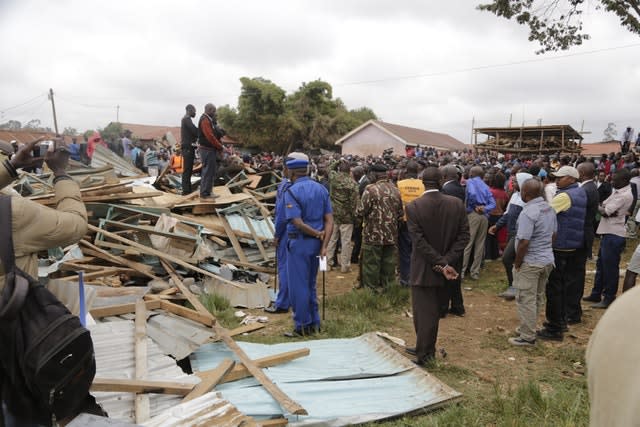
[440, 231]
[36, 228]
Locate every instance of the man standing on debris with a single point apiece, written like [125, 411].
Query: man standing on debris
[537, 227]
[440, 231]
[282, 303]
[188, 138]
[309, 225]
[381, 209]
[209, 146]
[38, 228]
[343, 191]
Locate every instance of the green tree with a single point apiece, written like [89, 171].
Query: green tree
[557, 24]
[69, 131]
[112, 131]
[11, 125]
[87, 133]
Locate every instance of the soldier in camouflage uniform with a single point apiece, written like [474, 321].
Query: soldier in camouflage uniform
[344, 195]
[381, 209]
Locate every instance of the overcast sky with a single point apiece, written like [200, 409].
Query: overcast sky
[429, 64]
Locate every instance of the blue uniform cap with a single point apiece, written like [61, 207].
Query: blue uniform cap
[297, 161]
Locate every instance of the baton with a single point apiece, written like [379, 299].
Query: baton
[277, 271]
[324, 294]
[83, 309]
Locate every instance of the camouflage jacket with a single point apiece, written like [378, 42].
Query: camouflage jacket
[344, 197]
[381, 209]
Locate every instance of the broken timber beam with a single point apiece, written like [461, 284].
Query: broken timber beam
[240, 371]
[117, 310]
[141, 386]
[210, 379]
[142, 406]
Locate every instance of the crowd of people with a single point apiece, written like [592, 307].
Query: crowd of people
[540, 214]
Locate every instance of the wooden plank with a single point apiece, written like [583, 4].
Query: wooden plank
[100, 253]
[195, 302]
[275, 422]
[142, 406]
[246, 328]
[234, 240]
[117, 310]
[240, 371]
[187, 313]
[141, 386]
[249, 265]
[105, 272]
[150, 230]
[210, 379]
[285, 401]
[111, 197]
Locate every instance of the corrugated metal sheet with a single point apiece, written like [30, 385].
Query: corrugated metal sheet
[259, 225]
[342, 381]
[114, 348]
[176, 335]
[208, 409]
[105, 157]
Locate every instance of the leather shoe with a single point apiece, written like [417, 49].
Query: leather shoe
[546, 334]
[273, 309]
[455, 312]
[592, 298]
[574, 321]
[304, 332]
[563, 327]
[601, 304]
[410, 350]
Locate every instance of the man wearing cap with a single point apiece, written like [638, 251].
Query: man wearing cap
[479, 204]
[209, 146]
[612, 233]
[570, 205]
[188, 137]
[309, 225]
[381, 209]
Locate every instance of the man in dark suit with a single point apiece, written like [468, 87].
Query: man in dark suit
[454, 302]
[440, 231]
[575, 290]
[188, 137]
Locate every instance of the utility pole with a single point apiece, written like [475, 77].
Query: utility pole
[53, 106]
[117, 113]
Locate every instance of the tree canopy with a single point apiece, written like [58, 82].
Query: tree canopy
[269, 119]
[557, 24]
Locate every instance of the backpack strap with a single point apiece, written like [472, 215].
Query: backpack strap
[15, 283]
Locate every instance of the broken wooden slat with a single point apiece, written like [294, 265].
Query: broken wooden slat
[141, 386]
[234, 240]
[142, 406]
[187, 313]
[275, 422]
[240, 371]
[117, 310]
[100, 253]
[210, 380]
[246, 328]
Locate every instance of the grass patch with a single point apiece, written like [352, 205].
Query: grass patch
[220, 307]
[363, 310]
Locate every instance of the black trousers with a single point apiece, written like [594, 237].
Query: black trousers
[426, 303]
[453, 298]
[188, 157]
[561, 280]
[575, 289]
[508, 257]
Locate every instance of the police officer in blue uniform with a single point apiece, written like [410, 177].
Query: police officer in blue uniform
[309, 226]
[282, 301]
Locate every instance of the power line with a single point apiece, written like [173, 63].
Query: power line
[486, 67]
[3, 110]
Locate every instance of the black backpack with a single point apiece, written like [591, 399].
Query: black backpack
[47, 355]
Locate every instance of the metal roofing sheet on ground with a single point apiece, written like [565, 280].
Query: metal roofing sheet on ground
[342, 381]
[114, 344]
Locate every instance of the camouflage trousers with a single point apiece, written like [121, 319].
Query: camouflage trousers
[378, 265]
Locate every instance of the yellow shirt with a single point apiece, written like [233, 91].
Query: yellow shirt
[410, 189]
[561, 202]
